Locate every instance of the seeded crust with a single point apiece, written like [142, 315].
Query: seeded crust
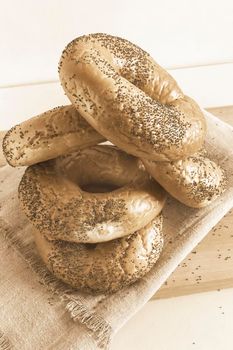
[2, 157]
[195, 181]
[127, 97]
[51, 195]
[103, 267]
[48, 135]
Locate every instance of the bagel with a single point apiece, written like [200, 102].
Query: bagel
[48, 135]
[103, 267]
[128, 98]
[2, 157]
[54, 195]
[195, 181]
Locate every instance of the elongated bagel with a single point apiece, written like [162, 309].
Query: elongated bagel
[127, 97]
[2, 157]
[54, 195]
[195, 181]
[103, 267]
[58, 131]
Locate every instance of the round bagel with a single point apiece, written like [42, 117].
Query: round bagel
[58, 131]
[127, 97]
[55, 197]
[195, 181]
[103, 267]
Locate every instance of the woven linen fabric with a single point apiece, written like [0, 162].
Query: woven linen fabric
[39, 312]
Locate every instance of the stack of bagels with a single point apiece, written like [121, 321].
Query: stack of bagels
[96, 208]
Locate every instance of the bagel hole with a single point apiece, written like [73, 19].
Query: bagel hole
[99, 188]
[91, 246]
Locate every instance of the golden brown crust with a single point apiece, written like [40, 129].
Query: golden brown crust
[103, 267]
[2, 157]
[58, 131]
[52, 196]
[195, 181]
[130, 99]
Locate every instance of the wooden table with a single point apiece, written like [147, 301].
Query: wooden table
[210, 265]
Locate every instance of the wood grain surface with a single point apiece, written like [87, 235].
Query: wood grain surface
[210, 265]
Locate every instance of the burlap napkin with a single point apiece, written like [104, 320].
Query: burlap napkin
[39, 312]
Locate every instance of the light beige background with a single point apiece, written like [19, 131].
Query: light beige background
[177, 33]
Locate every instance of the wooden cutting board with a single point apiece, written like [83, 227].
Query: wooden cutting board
[210, 265]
